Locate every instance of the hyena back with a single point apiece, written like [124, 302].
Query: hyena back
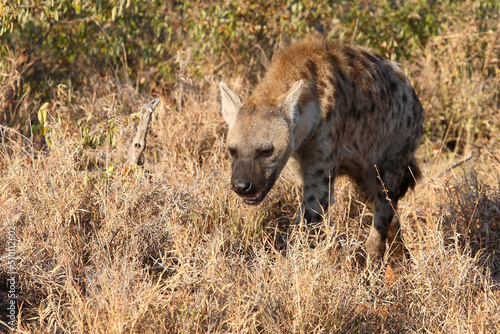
[335, 109]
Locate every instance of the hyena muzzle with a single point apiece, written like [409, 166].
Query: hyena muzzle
[332, 109]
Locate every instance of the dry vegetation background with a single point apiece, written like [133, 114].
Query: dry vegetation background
[106, 249]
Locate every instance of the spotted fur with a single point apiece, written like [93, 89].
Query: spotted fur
[333, 109]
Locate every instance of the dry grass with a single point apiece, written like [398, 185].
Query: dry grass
[106, 250]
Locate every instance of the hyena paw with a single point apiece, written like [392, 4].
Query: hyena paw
[375, 249]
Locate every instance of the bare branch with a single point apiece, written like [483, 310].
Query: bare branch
[464, 160]
[139, 142]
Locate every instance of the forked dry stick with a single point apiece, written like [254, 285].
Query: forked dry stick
[386, 192]
[139, 142]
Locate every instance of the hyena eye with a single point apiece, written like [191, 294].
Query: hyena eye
[232, 153]
[267, 152]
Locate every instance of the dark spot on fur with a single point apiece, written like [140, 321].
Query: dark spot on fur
[370, 57]
[353, 87]
[320, 172]
[385, 75]
[329, 111]
[339, 90]
[324, 200]
[342, 75]
[326, 180]
[349, 52]
[333, 58]
[313, 69]
[352, 63]
[370, 95]
[372, 108]
[311, 198]
[355, 111]
[393, 86]
[357, 77]
[405, 98]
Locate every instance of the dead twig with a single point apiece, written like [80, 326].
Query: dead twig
[467, 158]
[181, 77]
[139, 142]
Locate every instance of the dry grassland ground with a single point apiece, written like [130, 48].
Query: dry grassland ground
[104, 249]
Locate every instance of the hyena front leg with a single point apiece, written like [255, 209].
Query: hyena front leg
[317, 193]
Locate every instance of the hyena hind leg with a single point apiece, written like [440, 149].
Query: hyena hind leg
[383, 214]
[397, 250]
[386, 226]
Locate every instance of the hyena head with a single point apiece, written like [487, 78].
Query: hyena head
[260, 139]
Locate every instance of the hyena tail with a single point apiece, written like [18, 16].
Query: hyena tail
[412, 174]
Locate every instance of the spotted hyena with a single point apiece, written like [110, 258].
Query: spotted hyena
[332, 109]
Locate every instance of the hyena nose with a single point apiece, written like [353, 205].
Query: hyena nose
[242, 187]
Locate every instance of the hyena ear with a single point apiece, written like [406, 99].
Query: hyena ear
[231, 103]
[290, 104]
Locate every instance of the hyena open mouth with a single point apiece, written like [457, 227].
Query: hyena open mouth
[261, 194]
